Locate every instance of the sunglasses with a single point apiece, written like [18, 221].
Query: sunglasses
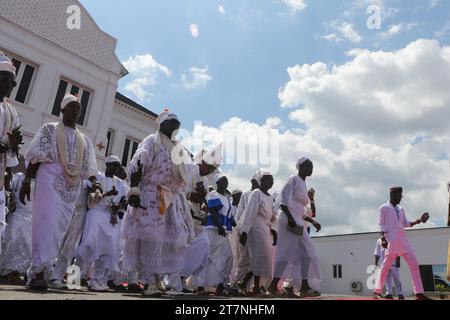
[8, 79]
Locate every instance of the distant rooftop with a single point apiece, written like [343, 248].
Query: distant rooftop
[375, 233]
[134, 104]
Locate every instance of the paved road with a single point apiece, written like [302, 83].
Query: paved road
[19, 292]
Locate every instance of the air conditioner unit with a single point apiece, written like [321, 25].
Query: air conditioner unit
[357, 286]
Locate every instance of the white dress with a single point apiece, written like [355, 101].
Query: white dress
[16, 256]
[101, 239]
[196, 256]
[295, 257]
[8, 121]
[155, 243]
[220, 257]
[257, 222]
[55, 198]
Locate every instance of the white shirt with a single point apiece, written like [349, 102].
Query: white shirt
[393, 222]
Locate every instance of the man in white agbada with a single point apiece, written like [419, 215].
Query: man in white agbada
[10, 135]
[392, 223]
[295, 256]
[158, 225]
[100, 244]
[256, 232]
[393, 275]
[16, 254]
[242, 255]
[218, 227]
[196, 256]
[59, 158]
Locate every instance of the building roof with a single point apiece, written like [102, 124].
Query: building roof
[377, 233]
[134, 104]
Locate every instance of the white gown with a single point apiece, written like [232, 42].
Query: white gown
[153, 243]
[16, 256]
[100, 238]
[257, 222]
[55, 198]
[295, 256]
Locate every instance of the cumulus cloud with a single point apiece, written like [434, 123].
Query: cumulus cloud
[196, 78]
[295, 5]
[376, 121]
[221, 9]
[144, 72]
[343, 30]
[397, 29]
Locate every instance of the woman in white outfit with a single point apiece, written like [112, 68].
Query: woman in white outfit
[295, 256]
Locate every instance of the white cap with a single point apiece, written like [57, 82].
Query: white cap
[6, 64]
[68, 98]
[112, 159]
[166, 115]
[237, 191]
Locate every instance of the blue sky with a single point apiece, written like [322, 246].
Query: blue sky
[247, 49]
[369, 118]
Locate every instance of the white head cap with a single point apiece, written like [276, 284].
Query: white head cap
[218, 176]
[301, 161]
[6, 64]
[165, 115]
[68, 98]
[214, 157]
[112, 159]
[237, 191]
[261, 175]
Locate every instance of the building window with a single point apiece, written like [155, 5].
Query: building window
[110, 138]
[25, 76]
[84, 94]
[129, 150]
[337, 271]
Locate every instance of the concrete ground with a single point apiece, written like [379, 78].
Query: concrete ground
[10, 291]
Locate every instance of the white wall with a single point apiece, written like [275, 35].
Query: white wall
[355, 254]
[128, 121]
[85, 56]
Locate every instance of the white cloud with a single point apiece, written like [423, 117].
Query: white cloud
[343, 30]
[221, 9]
[332, 37]
[144, 71]
[196, 78]
[443, 31]
[380, 119]
[195, 32]
[434, 3]
[397, 29]
[349, 32]
[295, 5]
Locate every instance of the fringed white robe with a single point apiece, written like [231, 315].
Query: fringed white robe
[155, 243]
[55, 198]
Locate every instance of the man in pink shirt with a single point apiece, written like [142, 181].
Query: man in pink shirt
[392, 223]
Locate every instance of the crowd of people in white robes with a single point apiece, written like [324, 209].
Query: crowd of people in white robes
[159, 226]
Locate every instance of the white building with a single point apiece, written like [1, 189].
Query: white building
[347, 261]
[52, 59]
